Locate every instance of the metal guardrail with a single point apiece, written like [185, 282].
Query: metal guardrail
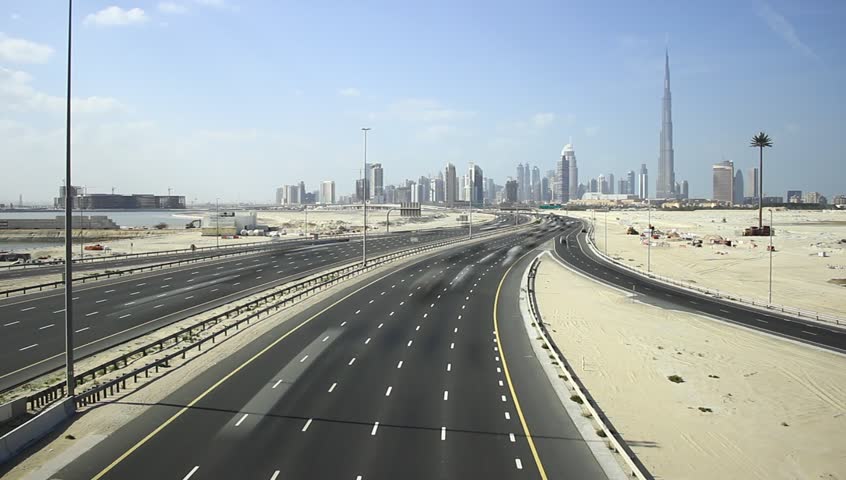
[744, 301]
[285, 296]
[159, 266]
[612, 436]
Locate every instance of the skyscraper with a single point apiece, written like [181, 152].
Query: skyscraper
[527, 183]
[666, 163]
[602, 184]
[750, 188]
[723, 174]
[476, 185]
[439, 190]
[520, 182]
[643, 182]
[377, 190]
[327, 192]
[511, 191]
[572, 171]
[562, 179]
[610, 183]
[451, 185]
[630, 183]
[738, 187]
[536, 184]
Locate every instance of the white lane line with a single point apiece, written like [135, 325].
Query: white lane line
[432, 305]
[238, 424]
[425, 315]
[809, 333]
[166, 279]
[27, 348]
[303, 359]
[380, 325]
[59, 311]
[108, 291]
[456, 330]
[12, 323]
[459, 317]
[305, 427]
[691, 301]
[161, 295]
[507, 416]
[343, 323]
[333, 387]
[518, 463]
[275, 475]
[367, 341]
[325, 338]
[443, 433]
[357, 312]
[193, 470]
[27, 309]
[724, 311]
[352, 361]
[371, 301]
[159, 305]
[47, 326]
[511, 437]
[409, 342]
[391, 314]
[451, 346]
[382, 293]
[216, 289]
[402, 303]
[277, 383]
[399, 365]
[446, 394]
[98, 301]
[503, 398]
[449, 367]
[417, 329]
[140, 284]
[134, 293]
[496, 358]
[388, 391]
[129, 303]
[81, 330]
[501, 384]
[189, 297]
[375, 427]
[92, 313]
[124, 316]
[236, 284]
[762, 320]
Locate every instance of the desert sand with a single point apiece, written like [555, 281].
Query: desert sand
[774, 409]
[801, 277]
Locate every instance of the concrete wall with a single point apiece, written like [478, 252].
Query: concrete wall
[34, 430]
[11, 410]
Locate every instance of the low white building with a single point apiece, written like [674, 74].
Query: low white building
[229, 222]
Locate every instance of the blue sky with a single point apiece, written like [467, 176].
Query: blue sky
[233, 98]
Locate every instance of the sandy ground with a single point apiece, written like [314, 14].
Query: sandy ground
[778, 408]
[801, 278]
[326, 219]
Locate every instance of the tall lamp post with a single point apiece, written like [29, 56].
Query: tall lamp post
[217, 222]
[771, 258]
[68, 226]
[649, 239]
[606, 230]
[364, 199]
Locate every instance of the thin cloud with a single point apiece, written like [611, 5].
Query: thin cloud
[172, 8]
[18, 95]
[115, 16]
[784, 29]
[349, 92]
[19, 50]
[542, 120]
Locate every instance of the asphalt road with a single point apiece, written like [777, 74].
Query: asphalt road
[578, 255]
[403, 377]
[110, 312]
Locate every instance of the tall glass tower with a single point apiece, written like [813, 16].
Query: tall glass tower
[666, 166]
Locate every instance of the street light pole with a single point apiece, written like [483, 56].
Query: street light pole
[606, 231]
[217, 222]
[364, 193]
[649, 240]
[69, 381]
[771, 258]
[305, 209]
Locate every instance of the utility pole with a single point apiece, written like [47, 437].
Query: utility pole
[69, 381]
[364, 192]
[771, 258]
[649, 241]
[606, 230]
[217, 222]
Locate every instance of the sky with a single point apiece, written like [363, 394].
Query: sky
[230, 99]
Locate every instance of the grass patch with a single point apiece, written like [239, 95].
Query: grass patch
[675, 379]
[713, 376]
[705, 410]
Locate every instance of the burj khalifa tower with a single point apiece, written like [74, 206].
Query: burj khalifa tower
[666, 168]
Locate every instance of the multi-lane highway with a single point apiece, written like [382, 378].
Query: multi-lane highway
[572, 248]
[109, 312]
[425, 372]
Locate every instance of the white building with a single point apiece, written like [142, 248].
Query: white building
[327, 192]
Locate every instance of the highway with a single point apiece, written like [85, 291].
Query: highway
[576, 253]
[425, 372]
[110, 312]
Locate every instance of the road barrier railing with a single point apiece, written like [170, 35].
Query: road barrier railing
[615, 441]
[759, 304]
[189, 337]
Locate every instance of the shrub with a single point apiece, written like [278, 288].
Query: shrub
[675, 379]
[577, 399]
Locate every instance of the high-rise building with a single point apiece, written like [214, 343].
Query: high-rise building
[545, 189]
[361, 192]
[611, 183]
[643, 182]
[630, 183]
[280, 195]
[794, 196]
[527, 183]
[550, 185]
[666, 161]
[536, 184]
[685, 190]
[425, 186]
[572, 171]
[622, 186]
[511, 191]
[439, 190]
[327, 192]
[562, 179]
[814, 197]
[752, 186]
[723, 174]
[490, 190]
[594, 186]
[451, 185]
[737, 197]
[377, 187]
[602, 183]
[476, 185]
[521, 195]
[292, 194]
